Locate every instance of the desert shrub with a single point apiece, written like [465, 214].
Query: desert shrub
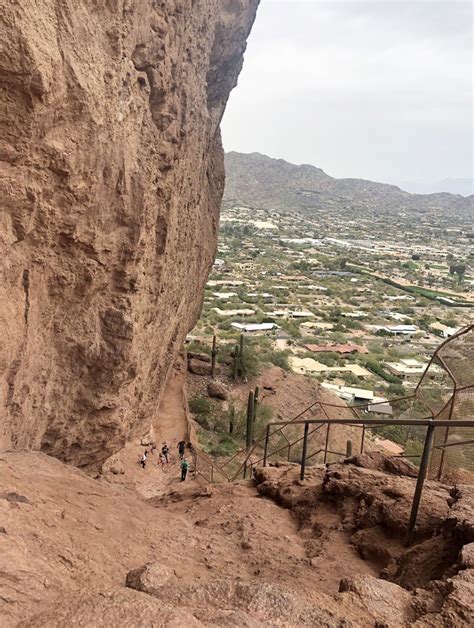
[280, 358]
[200, 405]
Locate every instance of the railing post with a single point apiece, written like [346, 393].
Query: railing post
[267, 438]
[212, 474]
[326, 444]
[255, 409]
[248, 435]
[443, 454]
[362, 439]
[305, 447]
[250, 409]
[348, 449]
[425, 458]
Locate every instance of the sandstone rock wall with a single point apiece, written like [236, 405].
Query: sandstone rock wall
[111, 179]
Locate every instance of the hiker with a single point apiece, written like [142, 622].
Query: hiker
[181, 448]
[161, 461]
[143, 459]
[184, 469]
[153, 448]
[165, 451]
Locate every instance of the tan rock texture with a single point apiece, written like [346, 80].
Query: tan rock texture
[111, 179]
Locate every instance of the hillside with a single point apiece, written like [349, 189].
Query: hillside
[260, 181]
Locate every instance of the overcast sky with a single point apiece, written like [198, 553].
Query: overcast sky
[378, 90]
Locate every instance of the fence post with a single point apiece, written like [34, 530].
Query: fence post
[265, 450]
[248, 435]
[213, 356]
[326, 444]
[305, 447]
[231, 419]
[348, 449]
[425, 458]
[363, 439]
[255, 408]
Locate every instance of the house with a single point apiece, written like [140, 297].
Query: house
[227, 313]
[444, 330]
[212, 283]
[277, 314]
[224, 295]
[254, 327]
[308, 365]
[349, 394]
[380, 405]
[406, 368]
[301, 314]
[337, 348]
[395, 330]
[317, 325]
[355, 314]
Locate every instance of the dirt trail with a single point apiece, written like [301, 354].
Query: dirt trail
[171, 426]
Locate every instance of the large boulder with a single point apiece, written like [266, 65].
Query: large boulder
[389, 604]
[217, 390]
[379, 461]
[150, 578]
[199, 368]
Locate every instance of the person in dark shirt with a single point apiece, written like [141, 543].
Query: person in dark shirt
[181, 448]
[165, 451]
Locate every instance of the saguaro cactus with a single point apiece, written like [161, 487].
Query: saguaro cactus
[235, 357]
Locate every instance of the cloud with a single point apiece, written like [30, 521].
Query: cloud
[377, 89]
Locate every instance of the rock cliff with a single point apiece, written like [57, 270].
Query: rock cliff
[111, 180]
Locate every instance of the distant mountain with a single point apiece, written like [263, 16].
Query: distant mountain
[454, 186]
[260, 181]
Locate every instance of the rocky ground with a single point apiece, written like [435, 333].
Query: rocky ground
[276, 551]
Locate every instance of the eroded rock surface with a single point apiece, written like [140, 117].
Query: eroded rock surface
[111, 179]
[430, 584]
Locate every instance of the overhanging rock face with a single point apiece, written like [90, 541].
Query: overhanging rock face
[111, 179]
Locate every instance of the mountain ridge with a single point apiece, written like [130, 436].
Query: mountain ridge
[254, 178]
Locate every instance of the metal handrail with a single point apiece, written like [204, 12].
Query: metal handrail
[430, 424]
[198, 454]
[249, 454]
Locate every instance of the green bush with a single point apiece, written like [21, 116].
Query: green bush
[280, 358]
[200, 405]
